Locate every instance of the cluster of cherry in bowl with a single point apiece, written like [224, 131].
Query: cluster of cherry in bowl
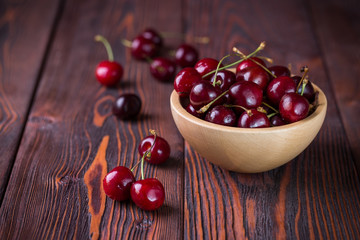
[145, 47]
[252, 96]
[148, 193]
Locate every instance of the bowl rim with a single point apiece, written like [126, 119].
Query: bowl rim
[176, 106]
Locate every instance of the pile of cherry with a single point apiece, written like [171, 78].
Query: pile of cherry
[256, 96]
[120, 183]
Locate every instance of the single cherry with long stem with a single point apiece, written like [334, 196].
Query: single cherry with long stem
[108, 72]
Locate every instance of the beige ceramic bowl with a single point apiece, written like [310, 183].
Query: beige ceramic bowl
[248, 150]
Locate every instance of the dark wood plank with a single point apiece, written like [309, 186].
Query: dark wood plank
[337, 25]
[24, 34]
[314, 196]
[71, 139]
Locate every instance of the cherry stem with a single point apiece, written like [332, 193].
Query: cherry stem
[271, 107]
[304, 69]
[202, 40]
[239, 106]
[109, 51]
[260, 47]
[137, 164]
[259, 64]
[271, 115]
[207, 106]
[305, 81]
[217, 68]
[126, 43]
[269, 60]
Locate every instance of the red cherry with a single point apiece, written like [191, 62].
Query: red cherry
[221, 115]
[253, 119]
[148, 194]
[224, 79]
[203, 93]
[277, 120]
[249, 63]
[117, 183]
[185, 80]
[293, 107]
[127, 106]
[163, 69]
[206, 65]
[309, 91]
[278, 87]
[154, 36]
[279, 71]
[143, 48]
[159, 151]
[109, 72]
[255, 74]
[190, 109]
[246, 94]
[186, 56]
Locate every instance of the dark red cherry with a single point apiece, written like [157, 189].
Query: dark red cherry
[206, 65]
[127, 106]
[249, 63]
[159, 152]
[221, 115]
[224, 79]
[186, 56]
[278, 87]
[253, 119]
[309, 91]
[203, 93]
[190, 109]
[109, 73]
[279, 71]
[255, 74]
[277, 120]
[148, 194]
[246, 94]
[154, 36]
[117, 183]
[143, 48]
[185, 80]
[163, 69]
[293, 107]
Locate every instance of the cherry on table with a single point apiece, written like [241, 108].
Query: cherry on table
[221, 115]
[253, 119]
[108, 72]
[143, 48]
[278, 87]
[185, 80]
[246, 94]
[117, 183]
[162, 69]
[127, 106]
[206, 65]
[249, 63]
[154, 36]
[186, 56]
[155, 148]
[148, 194]
[255, 74]
[293, 107]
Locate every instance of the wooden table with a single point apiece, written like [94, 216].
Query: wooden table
[58, 136]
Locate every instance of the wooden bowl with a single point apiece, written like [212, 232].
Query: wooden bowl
[248, 150]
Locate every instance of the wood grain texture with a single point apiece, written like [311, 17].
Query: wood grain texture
[316, 196]
[22, 50]
[55, 189]
[337, 26]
